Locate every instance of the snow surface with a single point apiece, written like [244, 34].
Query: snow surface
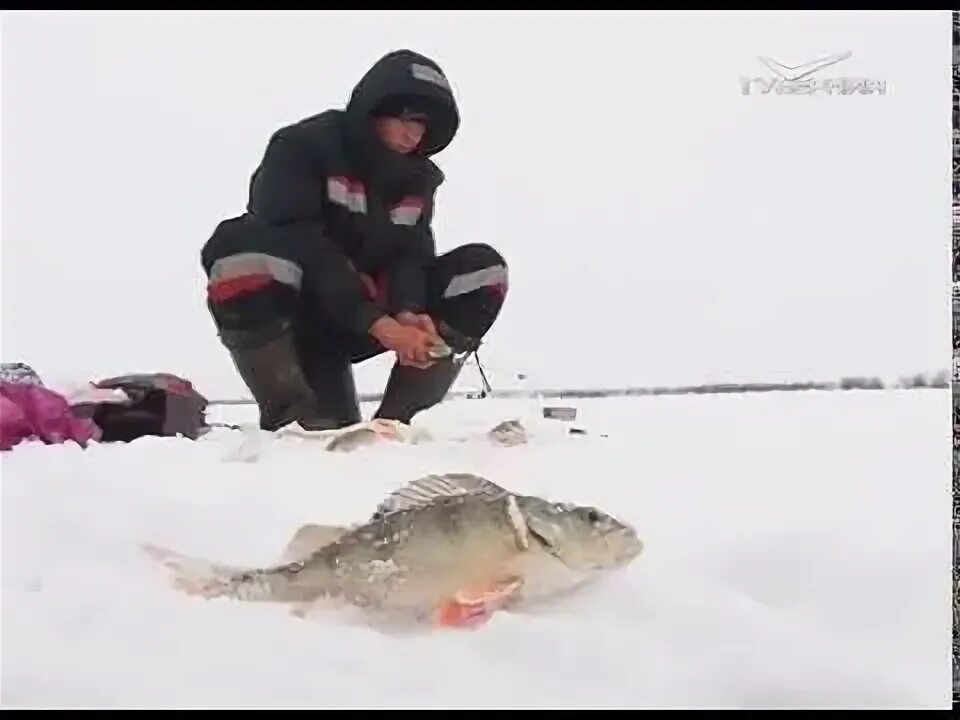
[797, 554]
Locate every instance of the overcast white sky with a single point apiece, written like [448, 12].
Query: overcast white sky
[661, 227]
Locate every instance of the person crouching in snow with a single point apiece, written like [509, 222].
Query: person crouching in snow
[334, 261]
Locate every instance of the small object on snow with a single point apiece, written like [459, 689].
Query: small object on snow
[18, 372]
[578, 431]
[160, 404]
[357, 435]
[344, 439]
[560, 413]
[354, 439]
[366, 434]
[445, 550]
[508, 433]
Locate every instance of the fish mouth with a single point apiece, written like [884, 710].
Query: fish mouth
[627, 544]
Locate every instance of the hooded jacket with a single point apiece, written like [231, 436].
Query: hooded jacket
[367, 208]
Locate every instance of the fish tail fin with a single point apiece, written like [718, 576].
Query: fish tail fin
[202, 578]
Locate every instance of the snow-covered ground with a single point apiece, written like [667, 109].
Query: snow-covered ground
[797, 554]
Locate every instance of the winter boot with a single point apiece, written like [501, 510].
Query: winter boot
[268, 363]
[331, 380]
[410, 390]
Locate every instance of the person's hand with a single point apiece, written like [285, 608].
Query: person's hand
[421, 320]
[411, 344]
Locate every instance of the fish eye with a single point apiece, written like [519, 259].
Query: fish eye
[593, 516]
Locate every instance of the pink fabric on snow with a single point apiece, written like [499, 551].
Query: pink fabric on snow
[32, 411]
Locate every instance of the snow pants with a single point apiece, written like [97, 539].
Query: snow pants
[465, 291]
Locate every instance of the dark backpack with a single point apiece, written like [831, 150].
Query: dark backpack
[160, 404]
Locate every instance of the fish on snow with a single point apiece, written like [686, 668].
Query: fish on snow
[449, 550]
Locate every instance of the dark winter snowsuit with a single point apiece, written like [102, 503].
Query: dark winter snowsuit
[337, 232]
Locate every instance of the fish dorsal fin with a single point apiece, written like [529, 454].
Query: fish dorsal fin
[425, 490]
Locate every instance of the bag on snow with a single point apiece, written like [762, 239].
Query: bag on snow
[153, 404]
[28, 410]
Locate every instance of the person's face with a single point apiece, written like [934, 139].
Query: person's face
[400, 134]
